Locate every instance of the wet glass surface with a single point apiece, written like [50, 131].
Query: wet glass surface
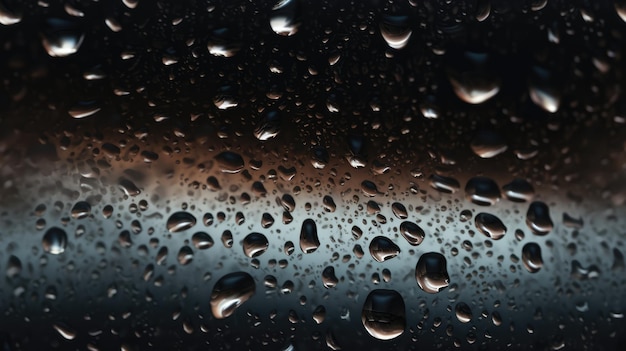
[312, 175]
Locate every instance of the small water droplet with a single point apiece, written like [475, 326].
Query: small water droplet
[81, 210]
[531, 257]
[202, 241]
[230, 292]
[384, 314]
[65, 331]
[519, 190]
[382, 249]
[329, 279]
[444, 184]
[488, 144]
[538, 218]
[471, 76]
[269, 126]
[309, 241]
[229, 162]
[255, 244]
[396, 31]
[431, 272]
[180, 221]
[399, 210]
[463, 312]
[61, 38]
[490, 225]
[482, 191]
[319, 314]
[412, 232]
[54, 241]
[185, 255]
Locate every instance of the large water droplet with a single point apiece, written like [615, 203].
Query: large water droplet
[384, 315]
[382, 249]
[463, 312]
[412, 232]
[180, 221]
[544, 89]
[54, 241]
[61, 38]
[229, 162]
[268, 127]
[399, 210]
[396, 31]
[309, 241]
[482, 191]
[538, 218]
[255, 244]
[444, 184]
[230, 292]
[285, 17]
[84, 109]
[81, 210]
[185, 255]
[620, 7]
[223, 42]
[531, 257]
[490, 225]
[431, 272]
[202, 241]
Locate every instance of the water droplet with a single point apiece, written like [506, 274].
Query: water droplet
[180, 221]
[61, 38]
[329, 204]
[490, 225]
[483, 9]
[9, 16]
[84, 109]
[531, 257]
[255, 244]
[226, 98]
[65, 331]
[267, 220]
[319, 314]
[412, 232]
[128, 187]
[396, 31]
[81, 210]
[519, 190]
[131, 4]
[356, 232]
[185, 255]
[471, 76]
[572, 222]
[620, 7]
[230, 292]
[538, 218]
[482, 191]
[229, 162]
[285, 17]
[269, 126]
[54, 241]
[463, 312]
[329, 279]
[399, 210]
[227, 239]
[223, 43]
[319, 158]
[369, 188]
[382, 249]
[544, 90]
[431, 272]
[14, 267]
[202, 241]
[309, 241]
[384, 315]
[444, 184]
[488, 144]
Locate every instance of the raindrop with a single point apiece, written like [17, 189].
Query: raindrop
[255, 244]
[328, 277]
[268, 127]
[185, 255]
[309, 241]
[431, 272]
[227, 239]
[229, 162]
[384, 315]
[14, 267]
[482, 191]
[488, 144]
[399, 210]
[329, 204]
[463, 312]
[285, 17]
[396, 31]
[382, 249]
[519, 190]
[490, 225]
[84, 109]
[81, 210]
[65, 331]
[319, 314]
[54, 241]
[471, 76]
[202, 241]
[267, 220]
[444, 184]
[61, 38]
[180, 221]
[531, 257]
[483, 9]
[356, 232]
[620, 7]
[9, 16]
[225, 98]
[369, 188]
[128, 187]
[319, 158]
[544, 90]
[223, 43]
[230, 292]
[538, 218]
[412, 232]
[131, 4]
